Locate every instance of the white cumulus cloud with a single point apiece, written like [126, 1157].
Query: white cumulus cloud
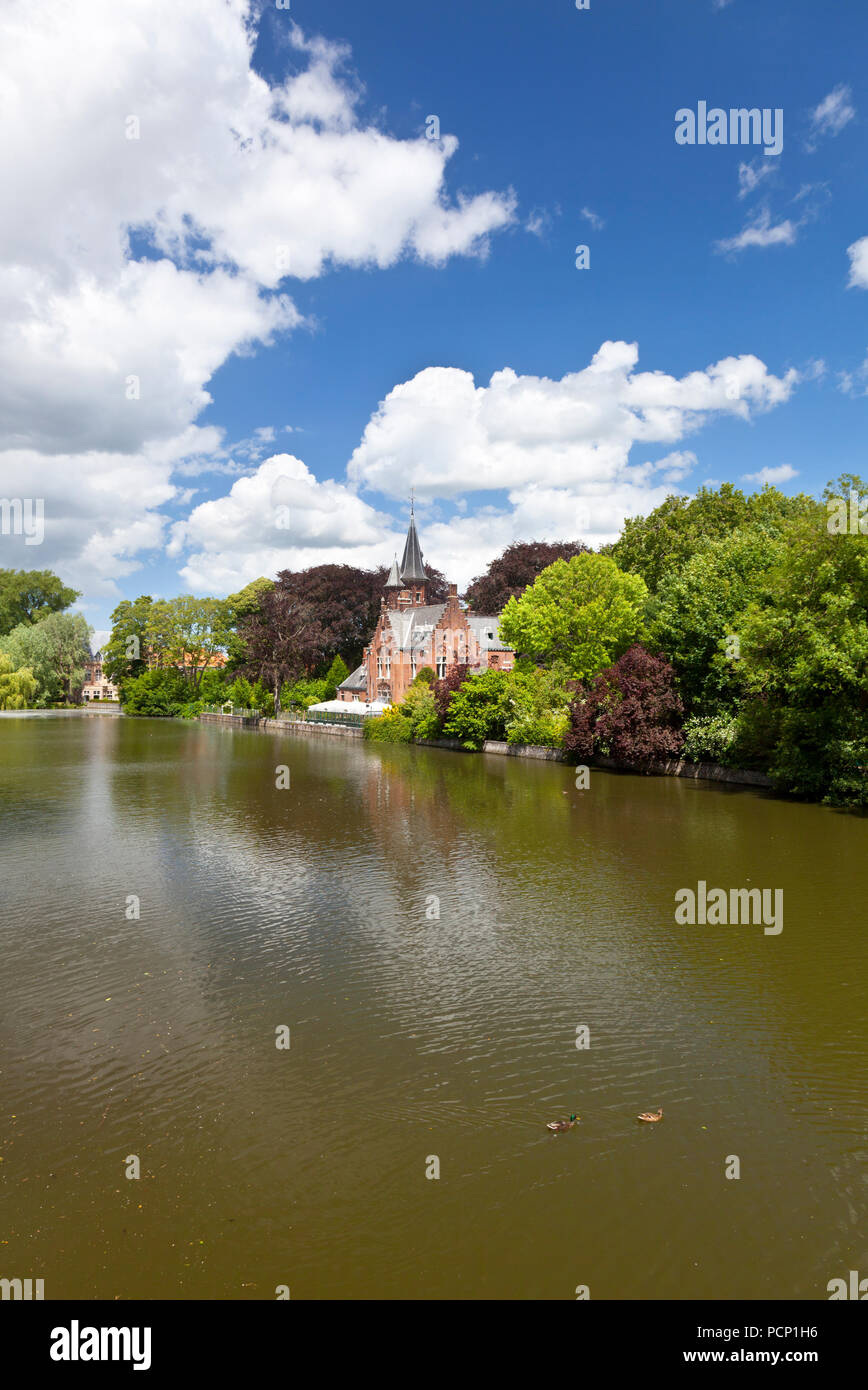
[781, 474]
[761, 232]
[166, 195]
[858, 254]
[833, 113]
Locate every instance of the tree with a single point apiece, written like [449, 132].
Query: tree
[240, 607]
[17, 688]
[631, 711]
[262, 699]
[337, 672]
[656, 545]
[125, 653]
[695, 617]
[28, 595]
[664, 540]
[187, 633]
[240, 692]
[510, 574]
[584, 612]
[479, 709]
[156, 693]
[56, 649]
[804, 648]
[279, 638]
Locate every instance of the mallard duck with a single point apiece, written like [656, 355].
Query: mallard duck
[558, 1126]
[650, 1117]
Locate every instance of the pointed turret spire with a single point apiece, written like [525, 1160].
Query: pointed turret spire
[394, 580]
[412, 569]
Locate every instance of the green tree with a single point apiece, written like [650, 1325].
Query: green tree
[240, 692]
[125, 653]
[657, 545]
[28, 595]
[56, 649]
[695, 616]
[17, 688]
[583, 612]
[804, 650]
[337, 672]
[480, 708]
[157, 694]
[263, 699]
[247, 603]
[186, 633]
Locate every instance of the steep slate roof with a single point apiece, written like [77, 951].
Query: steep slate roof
[394, 580]
[412, 569]
[356, 680]
[486, 631]
[411, 627]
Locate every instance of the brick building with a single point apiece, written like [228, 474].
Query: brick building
[97, 685]
[412, 633]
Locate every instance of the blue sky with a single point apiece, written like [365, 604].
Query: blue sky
[407, 257]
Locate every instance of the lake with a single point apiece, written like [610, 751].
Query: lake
[432, 928]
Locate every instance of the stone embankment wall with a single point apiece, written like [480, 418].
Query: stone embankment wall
[674, 767]
[301, 726]
[238, 721]
[710, 772]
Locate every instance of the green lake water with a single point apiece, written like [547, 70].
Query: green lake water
[432, 928]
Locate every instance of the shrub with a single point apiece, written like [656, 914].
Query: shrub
[822, 755]
[712, 739]
[391, 727]
[445, 689]
[240, 693]
[420, 709]
[539, 706]
[158, 693]
[304, 693]
[479, 709]
[630, 711]
[542, 730]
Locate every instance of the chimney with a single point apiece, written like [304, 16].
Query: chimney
[453, 607]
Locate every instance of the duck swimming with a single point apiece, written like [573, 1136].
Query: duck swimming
[558, 1126]
[650, 1117]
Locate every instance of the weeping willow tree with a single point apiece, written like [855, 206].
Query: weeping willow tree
[17, 688]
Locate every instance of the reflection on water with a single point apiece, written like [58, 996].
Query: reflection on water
[433, 928]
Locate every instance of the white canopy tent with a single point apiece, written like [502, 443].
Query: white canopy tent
[349, 707]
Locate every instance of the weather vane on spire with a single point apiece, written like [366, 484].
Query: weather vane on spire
[412, 499]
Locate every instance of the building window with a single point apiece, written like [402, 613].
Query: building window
[379, 668]
[413, 668]
[388, 665]
[441, 667]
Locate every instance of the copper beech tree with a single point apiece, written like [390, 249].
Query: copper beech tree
[630, 711]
